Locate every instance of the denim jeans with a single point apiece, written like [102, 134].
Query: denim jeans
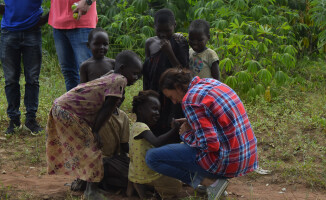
[178, 161]
[72, 50]
[25, 46]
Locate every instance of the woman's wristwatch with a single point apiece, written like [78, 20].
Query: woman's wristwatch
[89, 2]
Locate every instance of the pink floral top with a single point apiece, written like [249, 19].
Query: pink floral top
[86, 99]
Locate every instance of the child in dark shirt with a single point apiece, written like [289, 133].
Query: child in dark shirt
[163, 51]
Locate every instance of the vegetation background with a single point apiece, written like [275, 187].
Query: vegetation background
[272, 53]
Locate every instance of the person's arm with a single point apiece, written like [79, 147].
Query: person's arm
[215, 70]
[43, 19]
[182, 53]
[2, 9]
[103, 115]
[202, 134]
[125, 147]
[167, 49]
[83, 73]
[147, 50]
[160, 140]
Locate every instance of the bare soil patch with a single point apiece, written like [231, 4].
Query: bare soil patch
[29, 183]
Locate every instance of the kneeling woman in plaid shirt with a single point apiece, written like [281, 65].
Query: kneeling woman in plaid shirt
[218, 141]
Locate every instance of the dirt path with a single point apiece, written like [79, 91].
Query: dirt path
[30, 184]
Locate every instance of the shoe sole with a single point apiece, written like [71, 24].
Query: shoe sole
[216, 190]
[23, 127]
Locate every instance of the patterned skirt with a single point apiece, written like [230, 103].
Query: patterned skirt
[70, 147]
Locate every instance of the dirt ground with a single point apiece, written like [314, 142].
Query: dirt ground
[28, 183]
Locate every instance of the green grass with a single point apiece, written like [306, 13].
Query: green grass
[291, 129]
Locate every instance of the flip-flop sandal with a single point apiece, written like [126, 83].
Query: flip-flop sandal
[78, 185]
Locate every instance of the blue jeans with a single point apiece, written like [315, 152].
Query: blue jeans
[72, 50]
[178, 161]
[25, 46]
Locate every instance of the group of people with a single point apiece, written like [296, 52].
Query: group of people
[21, 42]
[189, 128]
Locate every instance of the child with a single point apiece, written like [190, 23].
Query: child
[98, 64]
[146, 106]
[203, 61]
[115, 132]
[166, 50]
[73, 140]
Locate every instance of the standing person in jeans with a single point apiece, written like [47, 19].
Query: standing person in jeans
[21, 41]
[71, 35]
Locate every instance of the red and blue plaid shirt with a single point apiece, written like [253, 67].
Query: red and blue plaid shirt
[221, 130]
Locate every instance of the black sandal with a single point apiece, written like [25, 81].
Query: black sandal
[78, 185]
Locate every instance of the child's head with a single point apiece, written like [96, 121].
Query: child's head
[164, 23]
[198, 35]
[128, 64]
[98, 42]
[147, 107]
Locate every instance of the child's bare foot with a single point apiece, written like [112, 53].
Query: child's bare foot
[130, 189]
[140, 188]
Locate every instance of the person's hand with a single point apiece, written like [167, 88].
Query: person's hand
[175, 124]
[166, 46]
[82, 8]
[184, 128]
[181, 120]
[97, 140]
[43, 20]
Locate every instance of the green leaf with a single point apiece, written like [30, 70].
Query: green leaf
[126, 41]
[252, 66]
[227, 63]
[264, 30]
[140, 5]
[220, 24]
[148, 31]
[252, 93]
[240, 4]
[280, 77]
[260, 89]
[243, 76]
[265, 76]
[271, 69]
[290, 50]
[262, 48]
[231, 81]
[288, 60]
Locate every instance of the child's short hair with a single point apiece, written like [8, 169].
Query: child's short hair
[199, 25]
[164, 16]
[125, 57]
[92, 33]
[142, 97]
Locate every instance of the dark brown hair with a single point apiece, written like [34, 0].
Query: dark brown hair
[95, 30]
[174, 78]
[164, 16]
[142, 98]
[199, 25]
